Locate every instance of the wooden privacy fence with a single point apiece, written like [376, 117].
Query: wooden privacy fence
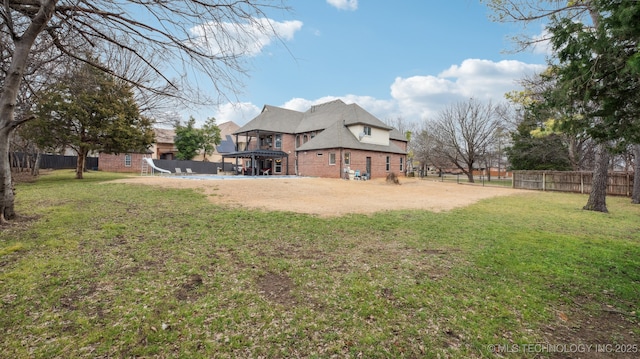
[619, 183]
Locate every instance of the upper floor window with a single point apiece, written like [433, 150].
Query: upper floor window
[367, 131]
[278, 141]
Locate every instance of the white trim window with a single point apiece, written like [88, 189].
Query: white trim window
[388, 163]
[127, 160]
[347, 158]
[278, 141]
[367, 130]
[401, 164]
[332, 158]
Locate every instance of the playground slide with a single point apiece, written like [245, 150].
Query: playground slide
[150, 162]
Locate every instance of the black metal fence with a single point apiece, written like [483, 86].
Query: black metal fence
[21, 160]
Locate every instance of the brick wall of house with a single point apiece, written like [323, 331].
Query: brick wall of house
[116, 163]
[316, 163]
[289, 147]
[402, 144]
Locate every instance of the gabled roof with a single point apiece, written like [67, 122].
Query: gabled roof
[322, 116]
[273, 119]
[318, 117]
[164, 135]
[339, 136]
[330, 119]
[227, 128]
[226, 145]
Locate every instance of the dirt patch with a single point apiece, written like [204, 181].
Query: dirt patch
[277, 288]
[188, 290]
[331, 197]
[607, 333]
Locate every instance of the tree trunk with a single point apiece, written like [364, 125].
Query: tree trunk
[7, 195]
[9, 96]
[35, 170]
[469, 172]
[82, 156]
[597, 197]
[635, 196]
[470, 177]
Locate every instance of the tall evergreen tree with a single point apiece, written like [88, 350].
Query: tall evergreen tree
[595, 85]
[89, 110]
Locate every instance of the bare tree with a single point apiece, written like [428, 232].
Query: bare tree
[528, 12]
[211, 38]
[463, 132]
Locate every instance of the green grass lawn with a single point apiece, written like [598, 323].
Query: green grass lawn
[117, 270]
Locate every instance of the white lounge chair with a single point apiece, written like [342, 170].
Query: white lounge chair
[178, 171]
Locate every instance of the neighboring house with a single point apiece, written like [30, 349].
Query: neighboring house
[325, 141]
[124, 162]
[164, 148]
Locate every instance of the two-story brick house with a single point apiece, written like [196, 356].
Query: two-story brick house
[324, 141]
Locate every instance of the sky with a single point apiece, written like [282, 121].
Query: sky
[403, 59]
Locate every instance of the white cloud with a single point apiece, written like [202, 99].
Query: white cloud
[240, 113]
[242, 39]
[424, 96]
[542, 44]
[417, 98]
[344, 4]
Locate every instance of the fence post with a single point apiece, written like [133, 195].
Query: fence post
[544, 179]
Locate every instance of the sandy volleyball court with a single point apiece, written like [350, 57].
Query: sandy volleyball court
[331, 197]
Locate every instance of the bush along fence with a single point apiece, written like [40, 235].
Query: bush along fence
[619, 183]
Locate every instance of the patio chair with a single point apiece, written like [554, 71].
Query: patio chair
[357, 176]
[178, 171]
[190, 172]
[266, 172]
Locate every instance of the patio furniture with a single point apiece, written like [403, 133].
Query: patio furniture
[189, 171]
[178, 171]
[266, 172]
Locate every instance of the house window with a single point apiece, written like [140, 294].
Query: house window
[388, 163]
[305, 138]
[278, 166]
[367, 130]
[127, 160]
[278, 141]
[347, 158]
[332, 158]
[266, 141]
[319, 154]
[401, 164]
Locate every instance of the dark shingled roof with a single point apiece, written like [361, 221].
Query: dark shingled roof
[331, 119]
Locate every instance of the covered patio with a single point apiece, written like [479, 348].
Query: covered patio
[263, 162]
